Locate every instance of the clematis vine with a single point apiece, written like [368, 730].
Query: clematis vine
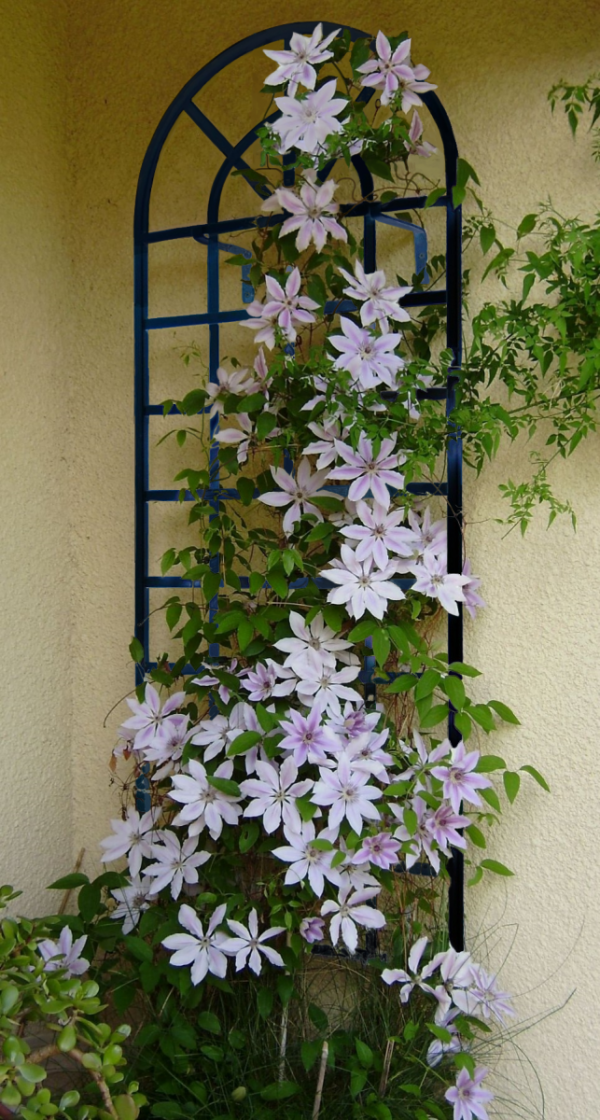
[312, 211]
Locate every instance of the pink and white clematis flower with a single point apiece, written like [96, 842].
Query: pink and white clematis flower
[419, 147]
[306, 861]
[367, 471]
[176, 863]
[471, 590]
[307, 736]
[467, 1096]
[307, 122]
[133, 837]
[379, 532]
[249, 943]
[324, 446]
[132, 900]
[273, 794]
[64, 954]
[312, 211]
[421, 840]
[369, 358]
[266, 680]
[240, 436]
[432, 579]
[378, 299]
[361, 586]
[413, 978]
[150, 723]
[316, 642]
[204, 806]
[297, 64]
[240, 382]
[203, 951]
[391, 72]
[349, 911]
[459, 780]
[324, 685]
[381, 850]
[348, 794]
[286, 309]
[166, 753]
[299, 490]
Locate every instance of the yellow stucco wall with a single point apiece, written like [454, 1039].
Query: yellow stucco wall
[84, 88]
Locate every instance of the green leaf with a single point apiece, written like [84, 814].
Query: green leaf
[279, 1091]
[248, 836]
[358, 1080]
[211, 584]
[32, 1073]
[455, 691]
[69, 882]
[496, 867]
[535, 774]
[482, 715]
[245, 633]
[476, 877]
[381, 646]
[318, 1018]
[364, 1053]
[465, 1061]
[527, 225]
[433, 196]
[489, 762]
[435, 715]
[378, 166]
[360, 632]
[492, 799]
[226, 785]
[487, 236]
[264, 1002]
[9, 996]
[503, 711]
[278, 582]
[306, 808]
[309, 1052]
[403, 683]
[411, 821]
[512, 783]
[475, 836]
[245, 489]
[207, 1021]
[139, 949]
[463, 724]
[89, 901]
[528, 283]
[136, 650]
[463, 669]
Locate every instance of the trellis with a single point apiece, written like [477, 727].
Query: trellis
[210, 234]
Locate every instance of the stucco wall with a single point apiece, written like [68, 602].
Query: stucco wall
[35, 606]
[68, 578]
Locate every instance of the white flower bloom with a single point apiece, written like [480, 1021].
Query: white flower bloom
[379, 300]
[327, 433]
[307, 861]
[324, 685]
[315, 639]
[362, 586]
[240, 383]
[370, 359]
[132, 901]
[274, 794]
[148, 721]
[204, 951]
[64, 954]
[176, 864]
[166, 753]
[392, 72]
[432, 578]
[347, 792]
[306, 123]
[366, 471]
[204, 806]
[349, 911]
[413, 978]
[299, 490]
[249, 942]
[133, 837]
[285, 309]
[269, 679]
[419, 147]
[240, 436]
[312, 211]
[379, 530]
[297, 65]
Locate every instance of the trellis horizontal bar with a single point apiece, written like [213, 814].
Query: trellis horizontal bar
[228, 493]
[206, 319]
[233, 225]
[319, 581]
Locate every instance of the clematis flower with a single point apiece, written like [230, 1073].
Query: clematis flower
[297, 65]
[443, 823]
[307, 736]
[379, 532]
[324, 446]
[204, 806]
[421, 840]
[367, 471]
[204, 951]
[437, 1048]
[430, 536]
[382, 850]
[324, 685]
[432, 578]
[413, 978]
[362, 586]
[207, 680]
[132, 900]
[299, 490]
[306, 123]
[149, 722]
[379, 300]
[419, 147]
[483, 997]
[366, 753]
[274, 794]
[470, 590]
[348, 794]
[312, 929]
[286, 309]
[312, 211]
[306, 861]
[459, 782]
[176, 863]
[249, 943]
[354, 720]
[392, 72]
[213, 735]
[166, 754]
[467, 1096]
[240, 436]
[349, 911]
[369, 358]
[64, 954]
[132, 837]
[316, 642]
[240, 382]
[267, 680]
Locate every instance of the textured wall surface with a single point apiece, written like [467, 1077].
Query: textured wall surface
[35, 549]
[81, 110]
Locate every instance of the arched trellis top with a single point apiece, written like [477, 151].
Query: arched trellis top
[209, 234]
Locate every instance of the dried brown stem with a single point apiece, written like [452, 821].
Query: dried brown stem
[320, 1081]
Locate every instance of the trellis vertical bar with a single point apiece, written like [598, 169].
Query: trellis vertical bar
[141, 401]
